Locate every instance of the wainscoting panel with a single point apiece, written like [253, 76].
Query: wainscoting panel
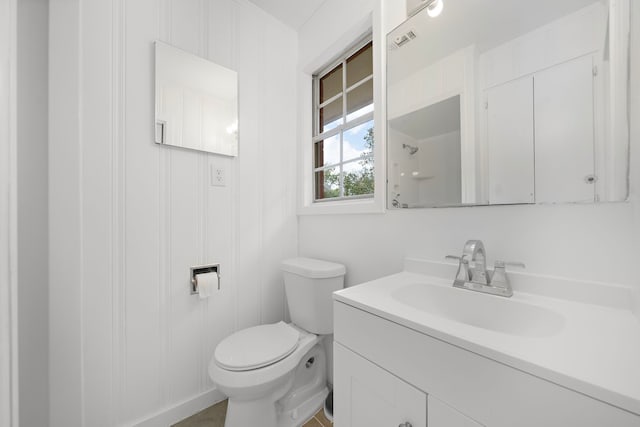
[99, 136]
[148, 212]
[279, 229]
[147, 272]
[8, 208]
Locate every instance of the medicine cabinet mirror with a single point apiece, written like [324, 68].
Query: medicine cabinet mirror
[504, 102]
[196, 102]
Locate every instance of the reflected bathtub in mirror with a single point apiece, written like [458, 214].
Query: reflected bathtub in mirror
[196, 102]
[509, 102]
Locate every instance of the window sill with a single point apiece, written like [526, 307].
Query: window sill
[344, 207]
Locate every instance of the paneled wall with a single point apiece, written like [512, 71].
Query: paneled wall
[129, 344]
[8, 226]
[32, 193]
[590, 242]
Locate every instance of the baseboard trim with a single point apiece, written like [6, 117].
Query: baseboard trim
[182, 410]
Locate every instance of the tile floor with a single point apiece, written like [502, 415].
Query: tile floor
[318, 420]
[214, 416]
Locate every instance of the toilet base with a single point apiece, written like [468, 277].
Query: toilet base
[296, 399]
[265, 413]
[297, 416]
[251, 413]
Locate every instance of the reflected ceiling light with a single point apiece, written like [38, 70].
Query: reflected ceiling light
[232, 128]
[434, 8]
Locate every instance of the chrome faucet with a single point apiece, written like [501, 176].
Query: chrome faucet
[474, 251]
[473, 275]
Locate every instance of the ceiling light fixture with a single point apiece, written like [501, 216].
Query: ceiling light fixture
[434, 8]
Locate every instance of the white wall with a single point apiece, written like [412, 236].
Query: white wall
[577, 34]
[402, 187]
[9, 414]
[436, 166]
[592, 242]
[439, 159]
[129, 344]
[33, 272]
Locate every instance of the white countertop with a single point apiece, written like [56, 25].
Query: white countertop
[596, 352]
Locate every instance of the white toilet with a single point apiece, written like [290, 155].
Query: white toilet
[275, 375]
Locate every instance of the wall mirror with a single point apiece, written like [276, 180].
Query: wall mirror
[196, 102]
[504, 102]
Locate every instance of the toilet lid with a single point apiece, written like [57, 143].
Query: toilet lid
[256, 347]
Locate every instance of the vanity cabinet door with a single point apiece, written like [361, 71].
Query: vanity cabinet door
[443, 415]
[366, 395]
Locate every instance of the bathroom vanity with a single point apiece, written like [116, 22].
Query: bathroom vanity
[412, 350]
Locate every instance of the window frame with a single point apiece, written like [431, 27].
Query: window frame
[345, 125]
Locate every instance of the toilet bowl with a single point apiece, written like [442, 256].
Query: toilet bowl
[275, 375]
[253, 392]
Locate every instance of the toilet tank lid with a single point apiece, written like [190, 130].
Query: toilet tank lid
[313, 268]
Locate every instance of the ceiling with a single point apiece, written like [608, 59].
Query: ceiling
[293, 13]
[436, 119]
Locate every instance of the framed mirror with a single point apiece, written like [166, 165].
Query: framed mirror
[196, 102]
[501, 102]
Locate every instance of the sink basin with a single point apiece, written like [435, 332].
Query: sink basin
[490, 312]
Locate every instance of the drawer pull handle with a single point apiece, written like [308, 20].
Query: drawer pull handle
[407, 424]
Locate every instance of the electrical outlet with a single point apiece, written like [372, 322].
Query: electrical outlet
[218, 177]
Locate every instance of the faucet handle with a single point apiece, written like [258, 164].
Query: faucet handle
[503, 264]
[463, 268]
[499, 278]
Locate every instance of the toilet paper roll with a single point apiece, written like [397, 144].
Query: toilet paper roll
[207, 282]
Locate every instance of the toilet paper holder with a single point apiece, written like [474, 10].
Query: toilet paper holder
[202, 269]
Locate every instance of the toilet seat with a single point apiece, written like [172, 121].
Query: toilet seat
[256, 347]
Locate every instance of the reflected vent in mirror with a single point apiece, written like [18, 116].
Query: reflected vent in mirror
[404, 38]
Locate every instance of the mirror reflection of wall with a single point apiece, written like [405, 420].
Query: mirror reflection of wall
[196, 102]
[426, 154]
[541, 96]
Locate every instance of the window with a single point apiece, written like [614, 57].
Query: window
[343, 127]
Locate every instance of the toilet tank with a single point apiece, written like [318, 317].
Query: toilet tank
[309, 284]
